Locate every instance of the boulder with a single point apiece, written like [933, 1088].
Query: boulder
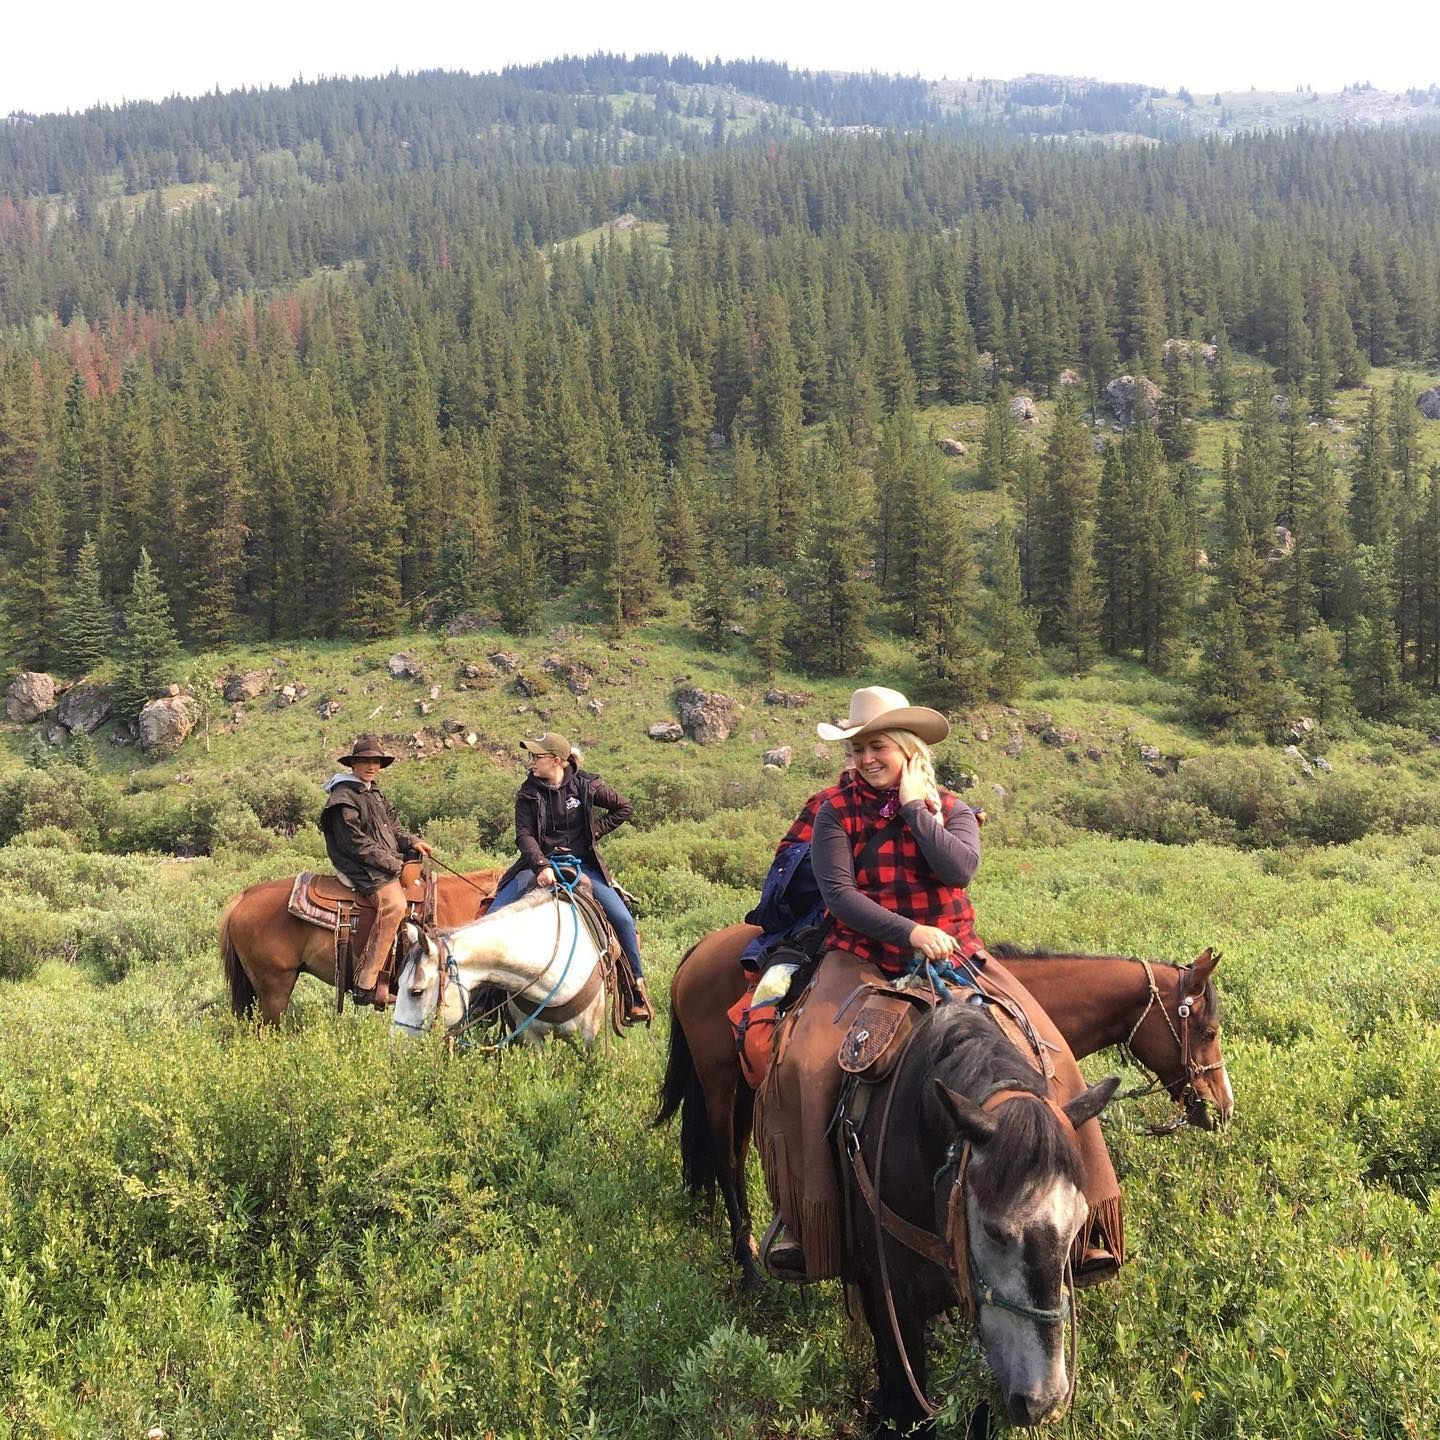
[1284, 545]
[85, 706]
[245, 685]
[1428, 402]
[1022, 407]
[504, 662]
[30, 695]
[953, 447]
[405, 666]
[1322, 765]
[471, 672]
[595, 707]
[821, 752]
[1150, 753]
[467, 622]
[1098, 444]
[1133, 398]
[1095, 753]
[1300, 730]
[1193, 350]
[530, 686]
[779, 757]
[164, 723]
[788, 699]
[328, 709]
[708, 716]
[451, 726]
[1015, 746]
[1000, 792]
[1069, 377]
[286, 695]
[667, 731]
[1293, 753]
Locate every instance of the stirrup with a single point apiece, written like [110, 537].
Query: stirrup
[1095, 1268]
[780, 1254]
[637, 1006]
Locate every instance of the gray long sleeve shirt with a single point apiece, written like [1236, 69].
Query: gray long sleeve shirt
[952, 850]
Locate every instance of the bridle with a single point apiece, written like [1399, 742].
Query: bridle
[1190, 1069]
[973, 1291]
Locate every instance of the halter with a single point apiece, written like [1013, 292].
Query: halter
[1190, 1070]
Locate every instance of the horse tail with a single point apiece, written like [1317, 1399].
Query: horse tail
[681, 1091]
[242, 992]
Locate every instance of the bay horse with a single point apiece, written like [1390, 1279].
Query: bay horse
[974, 1197]
[1168, 1016]
[541, 959]
[265, 949]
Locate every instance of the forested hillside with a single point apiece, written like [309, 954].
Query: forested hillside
[399, 349]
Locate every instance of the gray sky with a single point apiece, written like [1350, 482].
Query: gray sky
[67, 54]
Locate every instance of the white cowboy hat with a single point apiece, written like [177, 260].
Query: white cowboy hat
[876, 708]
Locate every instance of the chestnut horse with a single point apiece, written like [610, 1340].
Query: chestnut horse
[265, 949]
[1167, 1015]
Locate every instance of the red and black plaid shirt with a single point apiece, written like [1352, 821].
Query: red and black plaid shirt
[897, 876]
[802, 832]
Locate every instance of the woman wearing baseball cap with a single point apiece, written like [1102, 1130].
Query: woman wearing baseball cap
[561, 809]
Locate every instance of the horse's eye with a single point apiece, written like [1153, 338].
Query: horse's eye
[996, 1234]
[1212, 1033]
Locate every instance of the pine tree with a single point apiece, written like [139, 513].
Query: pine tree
[148, 650]
[950, 664]
[85, 632]
[1011, 627]
[1178, 404]
[1322, 677]
[767, 627]
[369, 560]
[717, 605]
[1223, 385]
[678, 540]
[1065, 570]
[32, 588]
[1000, 443]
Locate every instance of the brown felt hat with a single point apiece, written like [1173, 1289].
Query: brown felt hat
[368, 747]
[548, 744]
[878, 708]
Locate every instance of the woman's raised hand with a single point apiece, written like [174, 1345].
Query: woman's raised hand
[932, 942]
[912, 781]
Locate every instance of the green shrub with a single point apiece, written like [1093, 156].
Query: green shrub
[27, 939]
[72, 800]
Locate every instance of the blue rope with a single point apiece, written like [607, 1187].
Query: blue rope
[938, 975]
[567, 877]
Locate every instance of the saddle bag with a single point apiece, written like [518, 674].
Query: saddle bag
[877, 1035]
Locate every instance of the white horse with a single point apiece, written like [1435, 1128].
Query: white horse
[542, 951]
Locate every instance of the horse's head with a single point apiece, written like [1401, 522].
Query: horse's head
[1023, 1210]
[420, 990]
[1179, 1041]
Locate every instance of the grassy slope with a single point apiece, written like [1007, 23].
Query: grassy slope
[315, 1233]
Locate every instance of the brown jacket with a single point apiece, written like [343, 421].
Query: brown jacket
[363, 835]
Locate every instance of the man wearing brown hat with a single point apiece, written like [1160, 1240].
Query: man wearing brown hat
[367, 847]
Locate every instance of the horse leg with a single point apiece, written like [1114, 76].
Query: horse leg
[742, 1118]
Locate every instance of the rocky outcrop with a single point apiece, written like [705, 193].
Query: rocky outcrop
[30, 694]
[1069, 377]
[85, 706]
[953, 447]
[164, 723]
[504, 662]
[788, 699]
[1133, 398]
[575, 676]
[1193, 350]
[708, 717]
[1022, 408]
[1428, 402]
[245, 685]
[666, 731]
[779, 758]
[405, 666]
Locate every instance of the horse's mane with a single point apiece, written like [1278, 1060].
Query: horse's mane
[1009, 950]
[968, 1052]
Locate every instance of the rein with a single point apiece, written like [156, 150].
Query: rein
[1190, 1071]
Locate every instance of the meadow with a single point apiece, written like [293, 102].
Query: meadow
[316, 1232]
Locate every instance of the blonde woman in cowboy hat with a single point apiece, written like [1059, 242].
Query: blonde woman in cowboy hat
[892, 854]
[368, 848]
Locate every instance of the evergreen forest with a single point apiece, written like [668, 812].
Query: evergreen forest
[332, 360]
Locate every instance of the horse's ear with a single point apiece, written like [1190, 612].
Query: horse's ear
[1092, 1102]
[1202, 968]
[970, 1120]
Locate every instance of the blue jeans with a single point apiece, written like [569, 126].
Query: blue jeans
[609, 901]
